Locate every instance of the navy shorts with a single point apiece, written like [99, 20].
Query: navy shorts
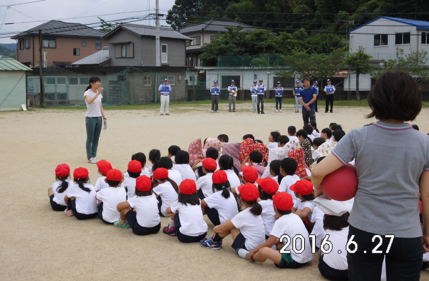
[55, 206]
[213, 215]
[100, 213]
[159, 206]
[79, 216]
[239, 242]
[200, 194]
[138, 229]
[185, 238]
[332, 273]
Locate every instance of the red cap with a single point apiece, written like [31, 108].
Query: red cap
[80, 173]
[250, 174]
[219, 177]
[160, 173]
[209, 164]
[303, 187]
[268, 185]
[114, 175]
[135, 166]
[188, 187]
[249, 192]
[62, 170]
[143, 183]
[283, 201]
[104, 167]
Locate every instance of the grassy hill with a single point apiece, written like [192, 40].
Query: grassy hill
[4, 51]
[9, 46]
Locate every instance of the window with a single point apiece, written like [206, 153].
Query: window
[49, 42]
[50, 80]
[402, 38]
[27, 43]
[164, 53]
[98, 45]
[196, 41]
[76, 52]
[124, 50]
[380, 40]
[147, 80]
[212, 38]
[61, 80]
[425, 37]
[84, 81]
[74, 81]
[171, 79]
[83, 44]
[21, 44]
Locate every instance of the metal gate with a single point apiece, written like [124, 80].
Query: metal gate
[56, 88]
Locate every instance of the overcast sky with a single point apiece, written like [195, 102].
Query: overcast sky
[27, 16]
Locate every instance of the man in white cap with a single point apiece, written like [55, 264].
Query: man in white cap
[330, 91]
[317, 93]
[232, 95]
[165, 89]
[215, 90]
[261, 94]
[297, 94]
[254, 94]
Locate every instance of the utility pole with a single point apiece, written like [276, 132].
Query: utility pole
[157, 39]
[42, 90]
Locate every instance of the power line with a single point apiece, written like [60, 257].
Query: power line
[96, 7]
[25, 14]
[21, 3]
[4, 17]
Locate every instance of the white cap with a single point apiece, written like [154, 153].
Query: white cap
[332, 207]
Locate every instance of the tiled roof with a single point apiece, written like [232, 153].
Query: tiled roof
[148, 30]
[9, 64]
[60, 28]
[96, 58]
[214, 26]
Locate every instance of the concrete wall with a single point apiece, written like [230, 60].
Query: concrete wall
[12, 89]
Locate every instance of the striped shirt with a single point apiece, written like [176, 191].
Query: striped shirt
[93, 109]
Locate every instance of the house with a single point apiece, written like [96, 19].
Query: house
[204, 33]
[134, 45]
[382, 36]
[62, 43]
[13, 78]
[100, 58]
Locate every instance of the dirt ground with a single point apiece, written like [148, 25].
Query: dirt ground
[39, 244]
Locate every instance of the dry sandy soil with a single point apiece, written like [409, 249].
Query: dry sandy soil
[39, 244]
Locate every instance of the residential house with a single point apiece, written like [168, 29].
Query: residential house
[13, 77]
[204, 33]
[62, 43]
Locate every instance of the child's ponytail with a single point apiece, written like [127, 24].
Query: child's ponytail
[63, 186]
[80, 182]
[174, 184]
[225, 187]
[256, 209]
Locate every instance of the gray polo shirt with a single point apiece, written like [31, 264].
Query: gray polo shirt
[390, 159]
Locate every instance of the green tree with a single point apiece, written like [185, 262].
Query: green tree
[359, 62]
[107, 26]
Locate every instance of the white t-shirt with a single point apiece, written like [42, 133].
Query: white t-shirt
[130, 184]
[150, 171]
[168, 195]
[272, 145]
[268, 215]
[205, 183]
[339, 241]
[59, 197]
[233, 179]
[146, 208]
[315, 134]
[317, 219]
[85, 201]
[93, 109]
[292, 226]
[252, 228]
[175, 176]
[226, 207]
[315, 154]
[276, 178]
[286, 183]
[145, 172]
[299, 205]
[185, 171]
[191, 219]
[111, 197]
[293, 139]
[100, 184]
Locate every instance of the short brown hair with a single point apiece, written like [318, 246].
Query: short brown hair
[395, 95]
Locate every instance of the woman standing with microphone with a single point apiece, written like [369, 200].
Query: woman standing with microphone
[94, 118]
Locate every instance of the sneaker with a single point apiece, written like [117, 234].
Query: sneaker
[217, 111]
[230, 110]
[242, 253]
[210, 244]
[95, 159]
[331, 111]
[280, 110]
[168, 230]
[277, 110]
[68, 212]
[262, 112]
[173, 234]
[326, 111]
[162, 114]
[167, 113]
[92, 160]
[213, 111]
[120, 224]
[233, 110]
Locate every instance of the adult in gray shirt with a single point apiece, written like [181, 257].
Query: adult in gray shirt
[392, 162]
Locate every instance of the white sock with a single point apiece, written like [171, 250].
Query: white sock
[171, 223]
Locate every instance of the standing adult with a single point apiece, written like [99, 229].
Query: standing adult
[330, 91]
[215, 90]
[261, 94]
[254, 94]
[307, 99]
[94, 118]
[279, 96]
[385, 221]
[297, 94]
[232, 95]
[317, 93]
[165, 89]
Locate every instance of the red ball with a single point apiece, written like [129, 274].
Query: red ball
[341, 185]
